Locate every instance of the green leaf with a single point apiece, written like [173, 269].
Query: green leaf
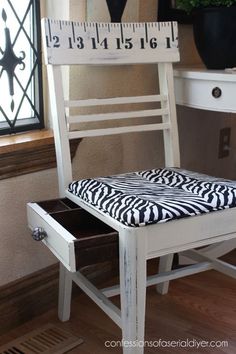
[189, 5]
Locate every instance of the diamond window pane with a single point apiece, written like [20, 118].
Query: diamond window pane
[20, 66]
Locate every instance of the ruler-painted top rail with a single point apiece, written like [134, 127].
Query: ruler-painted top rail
[67, 42]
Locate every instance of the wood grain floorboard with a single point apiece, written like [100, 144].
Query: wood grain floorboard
[201, 307]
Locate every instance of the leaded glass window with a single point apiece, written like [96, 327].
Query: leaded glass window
[21, 105]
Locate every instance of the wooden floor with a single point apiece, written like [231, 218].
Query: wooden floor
[200, 307]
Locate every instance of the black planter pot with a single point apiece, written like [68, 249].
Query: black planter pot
[215, 36]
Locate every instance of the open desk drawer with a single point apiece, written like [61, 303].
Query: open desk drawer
[74, 236]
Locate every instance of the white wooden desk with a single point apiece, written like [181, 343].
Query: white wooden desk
[206, 89]
[212, 90]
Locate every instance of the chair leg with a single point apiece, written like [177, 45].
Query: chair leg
[65, 292]
[165, 265]
[133, 292]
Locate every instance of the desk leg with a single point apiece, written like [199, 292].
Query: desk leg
[133, 290]
[65, 292]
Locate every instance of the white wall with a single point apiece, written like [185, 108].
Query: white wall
[19, 254]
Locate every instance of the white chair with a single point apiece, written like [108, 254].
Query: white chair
[156, 213]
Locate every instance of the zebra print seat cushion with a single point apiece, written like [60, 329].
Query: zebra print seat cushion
[155, 196]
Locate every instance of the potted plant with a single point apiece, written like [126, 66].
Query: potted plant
[214, 27]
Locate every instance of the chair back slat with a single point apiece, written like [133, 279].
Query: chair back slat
[115, 101]
[85, 118]
[118, 130]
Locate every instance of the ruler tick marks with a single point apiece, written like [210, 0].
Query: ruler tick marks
[121, 33]
[97, 33]
[172, 32]
[49, 31]
[73, 31]
[113, 36]
[146, 32]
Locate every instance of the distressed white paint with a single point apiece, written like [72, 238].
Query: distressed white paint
[67, 42]
[213, 251]
[59, 128]
[118, 130]
[171, 137]
[115, 101]
[58, 240]
[221, 266]
[65, 291]
[97, 296]
[165, 277]
[132, 251]
[83, 118]
[165, 265]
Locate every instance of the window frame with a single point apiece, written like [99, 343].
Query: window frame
[36, 121]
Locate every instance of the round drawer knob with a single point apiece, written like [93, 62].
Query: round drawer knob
[216, 92]
[39, 234]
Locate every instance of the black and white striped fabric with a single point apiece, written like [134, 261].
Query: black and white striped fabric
[155, 196]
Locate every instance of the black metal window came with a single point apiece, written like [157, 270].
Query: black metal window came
[21, 99]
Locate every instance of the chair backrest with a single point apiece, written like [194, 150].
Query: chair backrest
[71, 43]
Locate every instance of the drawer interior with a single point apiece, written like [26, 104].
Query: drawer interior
[57, 205]
[81, 224]
[95, 241]
[76, 220]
